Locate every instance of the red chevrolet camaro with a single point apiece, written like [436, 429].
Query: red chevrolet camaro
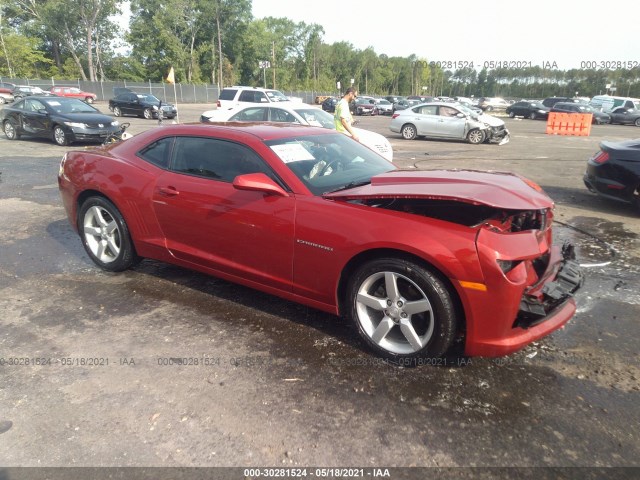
[418, 260]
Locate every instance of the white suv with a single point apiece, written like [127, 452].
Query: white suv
[232, 97]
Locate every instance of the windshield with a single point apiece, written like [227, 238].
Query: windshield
[326, 163]
[317, 117]
[68, 105]
[149, 98]
[276, 96]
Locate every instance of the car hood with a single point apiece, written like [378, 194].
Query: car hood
[87, 118]
[494, 189]
[491, 121]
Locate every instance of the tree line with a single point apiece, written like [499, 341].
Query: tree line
[220, 42]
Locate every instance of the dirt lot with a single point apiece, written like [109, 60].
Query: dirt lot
[99, 369]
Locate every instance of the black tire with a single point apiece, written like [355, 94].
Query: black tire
[147, 113]
[409, 131]
[105, 235]
[10, 131]
[637, 122]
[417, 320]
[476, 136]
[489, 108]
[89, 99]
[512, 114]
[2, 101]
[117, 112]
[533, 115]
[60, 136]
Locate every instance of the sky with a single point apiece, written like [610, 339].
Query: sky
[547, 33]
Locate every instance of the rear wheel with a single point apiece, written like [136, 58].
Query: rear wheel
[105, 235]
[533, 115]
[402, 310]
[89, 99]
[409, 131]
[512, 114]
[117, 112]
[2, 101]
[637, 122]
[475, 136]
[10, 131]
[148, 114]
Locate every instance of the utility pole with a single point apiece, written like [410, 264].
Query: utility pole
[273, 62]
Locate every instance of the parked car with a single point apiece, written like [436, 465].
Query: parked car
[6, 98]
[236, 96]
[574, 107]
[416, 260]
[625, 116]
[527, 109]
[384, 107]
[551, 101]
[614, 171]
[21, 91]
[394, 98]
[141, 105]
[321, 98]
[329, 105]
[421, 98]
[489, 104]
[448, 121]
[364, 106]
[6, 87]
[296, 113]
[74, 92]
[403, 104]
[64, 120]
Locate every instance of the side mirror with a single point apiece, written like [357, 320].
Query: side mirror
[461, 115]
[258, 182]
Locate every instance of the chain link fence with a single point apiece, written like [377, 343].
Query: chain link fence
[184, 93]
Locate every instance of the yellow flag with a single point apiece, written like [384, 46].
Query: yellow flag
[171, 78]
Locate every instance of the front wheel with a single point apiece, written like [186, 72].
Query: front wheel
[2, 101]
[475, 136]
[533, 115]
[59, 136]
[402, 310]
[105, 235]
[512, 114]
[409, 132]
[637, 122]
[89, 99]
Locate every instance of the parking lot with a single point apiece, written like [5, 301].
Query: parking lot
[161, 366]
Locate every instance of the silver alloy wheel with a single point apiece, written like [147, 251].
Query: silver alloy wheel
[475, 136]
[409, 132]
[147, 113]
[2, 101]
[116, 111]
[9, 130]
[59, 136]
[89, 99]
[512, 114]
[102, 234]
[395, 313]
[637, 122]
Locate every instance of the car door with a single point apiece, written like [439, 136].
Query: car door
[425, 118]
[280, 115]
[129, 104]
[35, 119]
[449, 124]
[251, 114]
[207, 221]
[619, 115]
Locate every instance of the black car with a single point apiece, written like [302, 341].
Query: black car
[329, 105]
[21, 91]
[598, 117]
[64, 120]
[625, 116]
[614, 171]
[551, 101]
[527, 109]
[403, 104]
[141, 105]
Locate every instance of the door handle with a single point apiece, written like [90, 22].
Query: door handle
[168, 191]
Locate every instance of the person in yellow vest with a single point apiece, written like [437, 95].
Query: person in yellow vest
[342, 117]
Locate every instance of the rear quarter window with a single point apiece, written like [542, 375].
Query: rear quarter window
[227, 94]
[158, 153]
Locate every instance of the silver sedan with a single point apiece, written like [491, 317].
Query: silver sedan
[448, 121]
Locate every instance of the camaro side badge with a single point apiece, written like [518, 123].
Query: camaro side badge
[311, 244]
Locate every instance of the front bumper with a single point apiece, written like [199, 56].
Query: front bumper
[90, 134]
[499, 135]
[525, 304]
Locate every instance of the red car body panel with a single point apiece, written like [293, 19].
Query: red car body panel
[299, 246]
[72, 92]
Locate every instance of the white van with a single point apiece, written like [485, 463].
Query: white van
[606, 103]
